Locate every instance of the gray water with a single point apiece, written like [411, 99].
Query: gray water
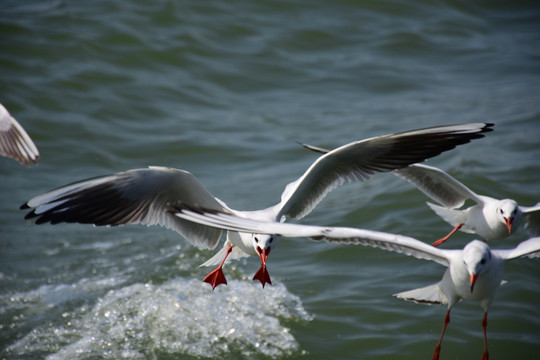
[225, 90]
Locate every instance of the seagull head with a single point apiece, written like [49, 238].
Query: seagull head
[262, 244]
[477, 259]
[509, 213]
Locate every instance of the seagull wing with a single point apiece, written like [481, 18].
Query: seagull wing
[130, 197]
[531, 215]
[529, 248]
[382, 240]
[438, 185]
[358, 160]
[316, 148]
[14, 141]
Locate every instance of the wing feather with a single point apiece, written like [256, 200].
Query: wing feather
[531, 215]
[139, 196]
[14, 141]
[529, 248]
[357, 161]
[438, 185]
[386, 241]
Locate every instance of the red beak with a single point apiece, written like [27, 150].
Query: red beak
[262, 274]
[508, 222]
[472, 280]
[263, 254]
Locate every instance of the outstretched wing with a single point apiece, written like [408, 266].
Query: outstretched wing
[382, 240]
[358, 160]
[14, 141]
[434, 182]
[129, 197]
[529, 248]
[438, 185]
[430, 295]
[531, 215]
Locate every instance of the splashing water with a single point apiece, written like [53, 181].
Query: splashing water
[177, 317]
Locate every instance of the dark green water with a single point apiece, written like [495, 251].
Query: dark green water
[225, 90]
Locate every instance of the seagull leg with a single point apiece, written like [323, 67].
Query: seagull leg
[437, 351]
[216, 277]
[443, 239]
[485, 355]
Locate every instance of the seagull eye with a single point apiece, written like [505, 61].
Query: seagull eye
[256, 239]
[483, 261]
[501, 211]
[271, 239]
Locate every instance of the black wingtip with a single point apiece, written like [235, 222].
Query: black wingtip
[315, 148]
[30, 215]
[488, 127]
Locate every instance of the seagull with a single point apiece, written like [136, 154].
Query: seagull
[474, 273]
[490, 218]
[143, 195]
[14, 141]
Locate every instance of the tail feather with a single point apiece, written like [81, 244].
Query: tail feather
[427, 295]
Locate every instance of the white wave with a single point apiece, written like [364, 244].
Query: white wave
[179, 317]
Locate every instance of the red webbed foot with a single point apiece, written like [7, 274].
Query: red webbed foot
[263, 276]
[215, 278]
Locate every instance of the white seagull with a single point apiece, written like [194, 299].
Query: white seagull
[14, 141]
[144, 195]
[490, 218]
[474, 273]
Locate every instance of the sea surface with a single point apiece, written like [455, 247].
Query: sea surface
[227, 90]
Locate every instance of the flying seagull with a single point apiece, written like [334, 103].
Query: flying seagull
[474, 273]
[143, 195]
[14, 141]
[490, 218]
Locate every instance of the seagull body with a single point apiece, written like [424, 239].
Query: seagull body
[14, 141]
[144, 195]
[474, 273]
[491, 219]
